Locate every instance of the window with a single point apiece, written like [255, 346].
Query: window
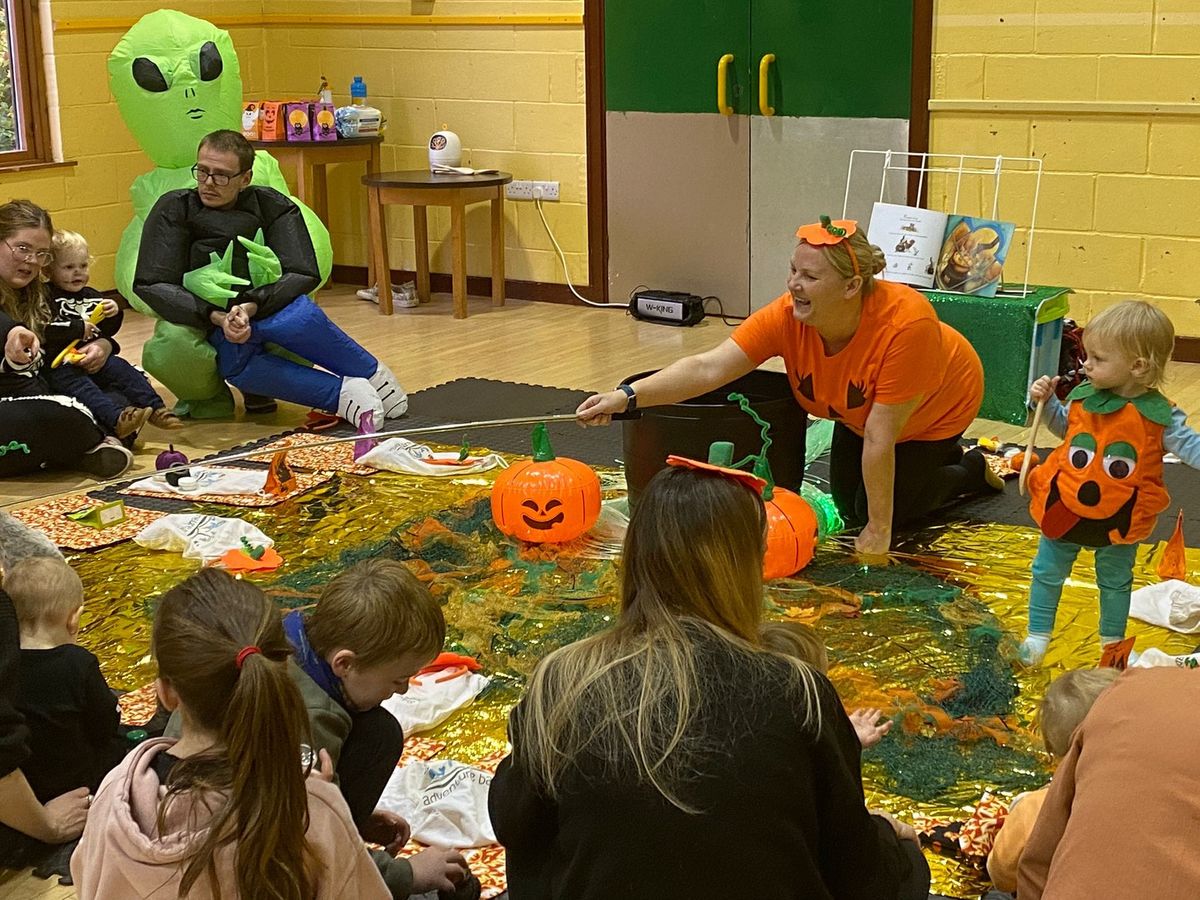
[24, 127]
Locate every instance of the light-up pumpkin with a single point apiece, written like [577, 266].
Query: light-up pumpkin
[547, 499]
[791, 533]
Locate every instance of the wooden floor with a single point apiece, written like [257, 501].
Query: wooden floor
[535, 343]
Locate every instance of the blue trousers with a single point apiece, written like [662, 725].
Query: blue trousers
[1052, 567]
[106, 393]
[303, 329]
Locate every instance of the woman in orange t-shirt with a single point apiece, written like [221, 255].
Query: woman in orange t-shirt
[901, 386]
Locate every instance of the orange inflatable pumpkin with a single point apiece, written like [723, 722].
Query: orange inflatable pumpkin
[792, 529]
[547, 499]
[1103, 485]
[791, 534]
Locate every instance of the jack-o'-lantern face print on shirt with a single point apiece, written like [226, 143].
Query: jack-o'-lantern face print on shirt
[1104, 485]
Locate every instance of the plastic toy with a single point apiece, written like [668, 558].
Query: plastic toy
[546, 499]
[69, 354]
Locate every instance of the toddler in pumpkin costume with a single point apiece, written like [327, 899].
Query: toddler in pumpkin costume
[1102, 488]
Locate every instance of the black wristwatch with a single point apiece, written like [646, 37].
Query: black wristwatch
[631, 394]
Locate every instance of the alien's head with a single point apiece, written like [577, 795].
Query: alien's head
[175, 78]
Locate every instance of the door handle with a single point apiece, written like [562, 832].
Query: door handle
[764, 69]
[723, 106]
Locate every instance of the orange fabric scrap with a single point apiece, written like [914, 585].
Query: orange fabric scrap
[1173, 564]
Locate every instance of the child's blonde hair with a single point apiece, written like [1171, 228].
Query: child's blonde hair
[379, 610]
[1067, 702]
[1139, 330]
[43, 590]
[68, 240]
[797, 640]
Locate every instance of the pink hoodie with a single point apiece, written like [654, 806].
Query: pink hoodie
[123, 855]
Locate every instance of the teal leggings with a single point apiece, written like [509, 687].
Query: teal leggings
[1052, 566]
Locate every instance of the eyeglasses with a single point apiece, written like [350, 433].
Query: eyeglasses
[217, 178]
[25, 253]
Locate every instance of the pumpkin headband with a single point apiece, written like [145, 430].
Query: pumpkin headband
[747, 479]
[827, 233]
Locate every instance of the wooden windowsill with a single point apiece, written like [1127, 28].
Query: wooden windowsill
[21, 168]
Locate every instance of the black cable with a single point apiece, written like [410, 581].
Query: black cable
[728, 320]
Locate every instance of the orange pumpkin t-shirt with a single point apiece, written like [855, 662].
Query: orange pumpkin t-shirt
[900, 351]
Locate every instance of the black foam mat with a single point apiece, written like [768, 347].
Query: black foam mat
[461, 400]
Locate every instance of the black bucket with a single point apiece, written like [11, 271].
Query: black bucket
[686, 429]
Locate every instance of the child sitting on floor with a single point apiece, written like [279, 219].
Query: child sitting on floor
[1102, 488]
[94, 379]
[1065, 706]
[72, 716]
[227, 810]
[374, 628]
[801, 641]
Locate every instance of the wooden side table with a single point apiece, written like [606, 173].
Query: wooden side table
[421, 188]
[309, 159]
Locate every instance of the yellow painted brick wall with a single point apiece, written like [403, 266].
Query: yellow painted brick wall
[1118, 214]
[93, 196]
[514, 95]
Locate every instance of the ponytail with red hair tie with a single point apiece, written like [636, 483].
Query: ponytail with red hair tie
[245, 652]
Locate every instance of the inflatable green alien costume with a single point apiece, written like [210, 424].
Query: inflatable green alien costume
[176, 79]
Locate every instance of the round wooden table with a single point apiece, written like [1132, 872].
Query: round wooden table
[421, 188]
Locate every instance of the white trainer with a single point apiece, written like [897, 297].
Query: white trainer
[395, 401]
[357, 396]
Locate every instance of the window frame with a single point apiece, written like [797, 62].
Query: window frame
[29, 86]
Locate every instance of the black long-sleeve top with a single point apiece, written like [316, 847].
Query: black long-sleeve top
[72, 718]
[23, 380]
[68, 312]
[783, 814]
[181, 232]
[14, 735]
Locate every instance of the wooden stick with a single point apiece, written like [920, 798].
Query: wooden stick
[1025, 463]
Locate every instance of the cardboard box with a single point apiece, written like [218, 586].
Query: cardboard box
[299, 122]
[273, 120]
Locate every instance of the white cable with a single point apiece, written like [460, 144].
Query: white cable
[562, 256]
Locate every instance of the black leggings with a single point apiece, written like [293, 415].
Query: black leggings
[367, 760]
[928, 475]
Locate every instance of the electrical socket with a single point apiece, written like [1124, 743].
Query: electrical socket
[526, 190]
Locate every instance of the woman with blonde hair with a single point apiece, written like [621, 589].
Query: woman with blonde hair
[869, 354]
[646, 756]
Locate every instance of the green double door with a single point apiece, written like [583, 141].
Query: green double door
[729, 124]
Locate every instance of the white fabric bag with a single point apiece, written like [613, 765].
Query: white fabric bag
[199, 537]
[432, 698]
[445, 802]
[408, 458]
[210, 480]
[1170, 604]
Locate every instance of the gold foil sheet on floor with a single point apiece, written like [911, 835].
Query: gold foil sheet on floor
[931, 639]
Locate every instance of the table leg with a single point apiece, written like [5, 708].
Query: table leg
[306, 183]
[379, 246]
[321, 193]
[498, 248]
[458, 265]
[421, 234]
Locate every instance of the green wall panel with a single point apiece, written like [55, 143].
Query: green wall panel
[849, 59]
[661, 55]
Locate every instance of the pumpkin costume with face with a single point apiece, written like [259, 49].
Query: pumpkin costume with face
[1103, 489]
[1103, 485]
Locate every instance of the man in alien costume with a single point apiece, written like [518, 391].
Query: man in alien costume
[176, 79]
